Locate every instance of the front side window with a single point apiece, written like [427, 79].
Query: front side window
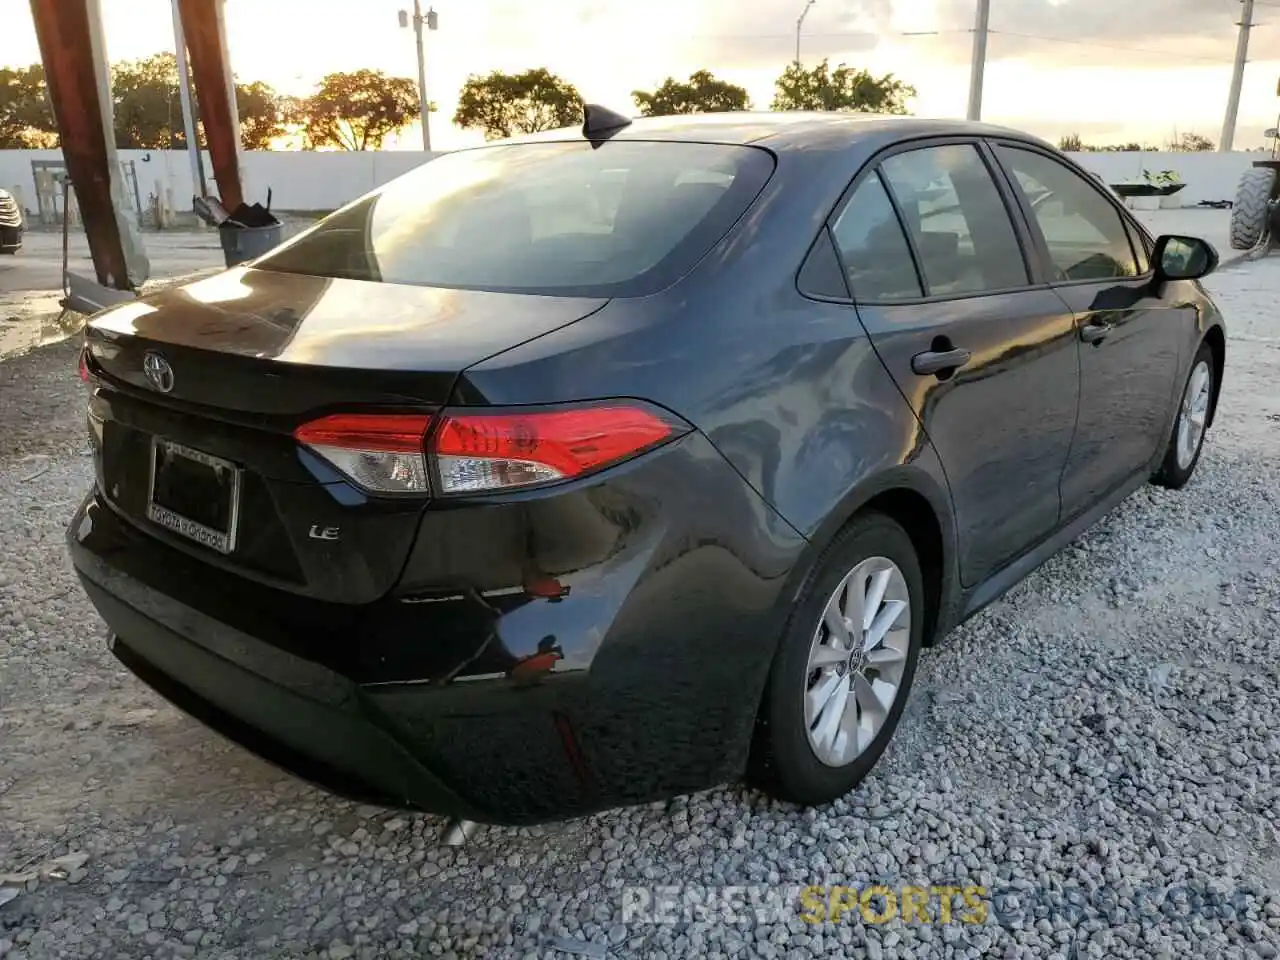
[957, 220]
[625, 218]
[1085, 234]
[1141, 247]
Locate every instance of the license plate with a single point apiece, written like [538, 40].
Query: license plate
[194, 494]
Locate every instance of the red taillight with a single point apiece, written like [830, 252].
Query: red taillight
[476, 452]
[84, 365]
[381, 452]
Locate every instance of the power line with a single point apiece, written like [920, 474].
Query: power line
[909, 34]
[873, 35]
[1112, 46]
[835, 35]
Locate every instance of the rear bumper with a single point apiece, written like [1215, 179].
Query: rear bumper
[336, 749]
[290, 712]
[10, 238]
[664, 641]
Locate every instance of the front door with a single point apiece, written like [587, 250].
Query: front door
[987, 360]
[1129, 337]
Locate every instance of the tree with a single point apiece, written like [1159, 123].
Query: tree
[1193, 143]
[844, 88]
[1131, 147]
[507, 104]
[356, 111]
[25, 118]
[1072, 143]
[264, 115]
[702, 94]
[148, 110]
[148, 107]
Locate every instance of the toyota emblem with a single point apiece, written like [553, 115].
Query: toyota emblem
[158, 371]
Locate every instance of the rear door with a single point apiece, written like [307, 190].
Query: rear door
[1129, 336]
[985, 356]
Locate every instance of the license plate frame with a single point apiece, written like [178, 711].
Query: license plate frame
[223, 542]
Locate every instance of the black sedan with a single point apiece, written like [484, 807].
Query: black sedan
[608, 464]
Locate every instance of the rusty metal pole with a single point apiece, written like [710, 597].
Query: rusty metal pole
[205, 31]
[69, 33]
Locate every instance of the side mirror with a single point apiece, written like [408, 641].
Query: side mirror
[1184, 258]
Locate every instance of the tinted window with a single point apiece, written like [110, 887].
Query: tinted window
[957, 219]
[624, 219]
[822, 274]
[1141, 247]
[1085, 234]
[873, 247]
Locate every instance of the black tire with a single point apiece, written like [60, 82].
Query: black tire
[1249, 213]
[785, 762]
[1174, 473]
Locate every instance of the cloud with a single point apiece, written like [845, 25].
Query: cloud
[1132, 20]
[1141, 33]
[1137, 33]
[755, 33]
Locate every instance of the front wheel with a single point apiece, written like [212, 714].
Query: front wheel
[843, 671]
[1187, 442]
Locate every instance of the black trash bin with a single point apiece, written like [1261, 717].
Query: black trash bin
[247, 232]
[241, 243]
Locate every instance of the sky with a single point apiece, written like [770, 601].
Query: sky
[1110, 70]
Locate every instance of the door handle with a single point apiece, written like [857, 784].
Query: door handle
[934, 362]
[1094, 332]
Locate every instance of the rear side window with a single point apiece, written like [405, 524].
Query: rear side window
[1085, 234]
[957, 220]
[876, 256]
[623, 219]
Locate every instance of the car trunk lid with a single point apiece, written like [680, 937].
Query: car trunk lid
[264, 343]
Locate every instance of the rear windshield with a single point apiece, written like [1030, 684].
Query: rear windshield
[625, 218]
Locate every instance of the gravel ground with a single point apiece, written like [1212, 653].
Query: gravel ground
[1109, 728]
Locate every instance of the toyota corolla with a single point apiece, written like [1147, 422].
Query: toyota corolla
[617, 462]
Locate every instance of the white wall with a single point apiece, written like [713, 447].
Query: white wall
[298, 180]
[322, 181]
[1208, 176]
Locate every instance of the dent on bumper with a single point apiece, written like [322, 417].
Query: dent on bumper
[663, 648]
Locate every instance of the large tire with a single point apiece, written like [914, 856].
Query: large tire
[1249, 214]
[1190, 423]
[798, 758]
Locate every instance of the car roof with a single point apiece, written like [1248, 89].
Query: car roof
[785, 130]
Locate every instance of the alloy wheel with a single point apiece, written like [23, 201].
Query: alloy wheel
[1194, 414]
[856, 661]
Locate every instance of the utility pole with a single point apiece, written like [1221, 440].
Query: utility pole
[430, 21]
[982, 27]
[198, 186]
[1237, 80]
[799, 23]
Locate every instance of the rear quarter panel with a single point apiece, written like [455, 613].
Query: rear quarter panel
[787, 388]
